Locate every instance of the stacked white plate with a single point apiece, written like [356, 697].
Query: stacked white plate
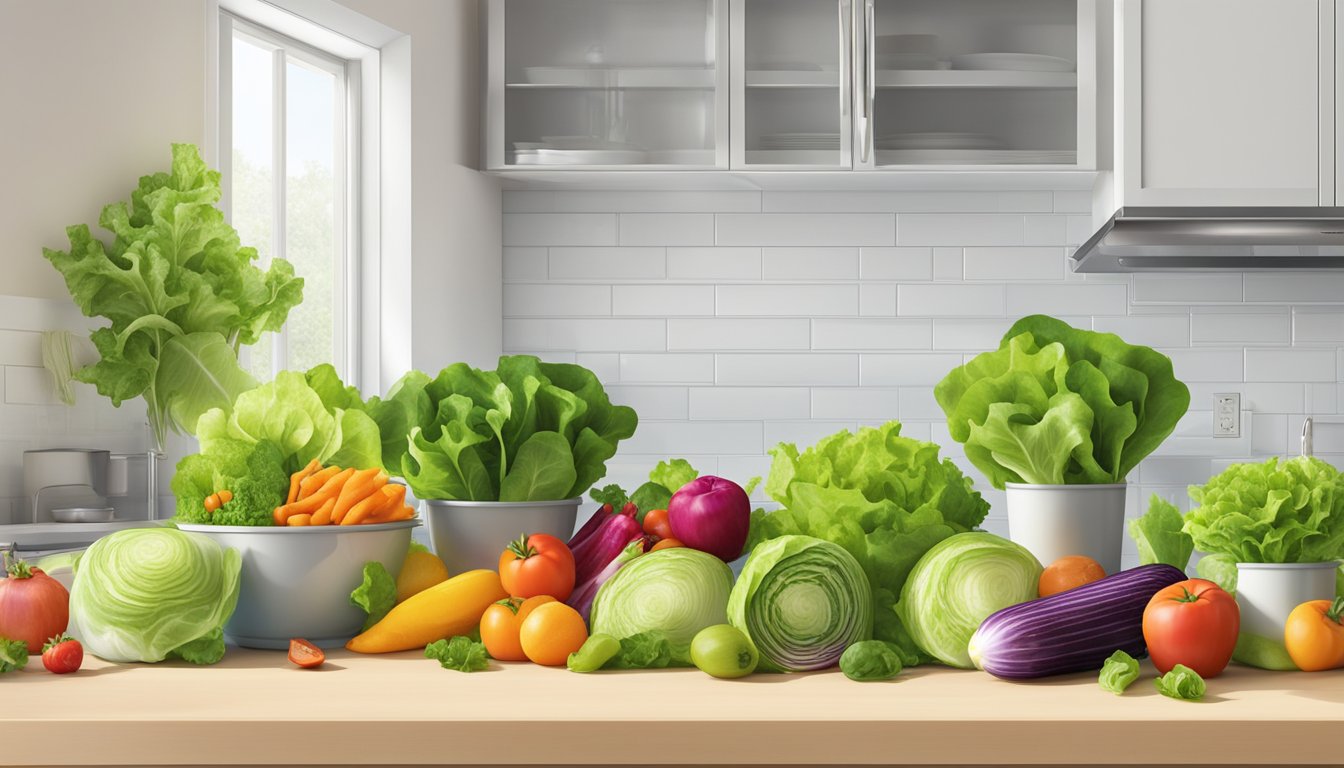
[801, 141]
[578, 150]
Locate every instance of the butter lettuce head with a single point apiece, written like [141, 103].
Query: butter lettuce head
[1279, 511]
[147, 594]
[1059, 405]
[526, 431]
[884, 498]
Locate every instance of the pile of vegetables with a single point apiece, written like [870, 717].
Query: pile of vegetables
[147, 594]
[1059, 405]
[180, 294]
[526, 431]
[335, 496]
[677, 591]
[883, 498]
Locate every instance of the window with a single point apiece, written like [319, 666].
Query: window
[288, 119]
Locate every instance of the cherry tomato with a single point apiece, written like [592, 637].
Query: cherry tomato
[1068, 573]
[552, 632]
[502, 622]
[62, 654]
[723, 651]
[1314, 635]
[666, 544]
[305, 654]
[656, 524]
[1192, 622]
[539, 564]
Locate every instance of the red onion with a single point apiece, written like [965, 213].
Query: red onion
[711, 514]
[33, 606]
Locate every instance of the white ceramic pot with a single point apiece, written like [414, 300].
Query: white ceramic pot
[296, 581]
[1266, 594]
[472, 534]
[1053, 521]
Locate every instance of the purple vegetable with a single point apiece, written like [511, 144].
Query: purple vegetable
[1072, 631]
[581, 599]
[601, 539]
[711, 514]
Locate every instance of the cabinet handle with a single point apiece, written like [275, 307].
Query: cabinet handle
[870, 73]
[845, 63]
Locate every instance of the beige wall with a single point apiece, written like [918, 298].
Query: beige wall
[93, 93]
[456, 281]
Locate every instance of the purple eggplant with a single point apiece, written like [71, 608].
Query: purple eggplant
[581, 599]
[601, 539]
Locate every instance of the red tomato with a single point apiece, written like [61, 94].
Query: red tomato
[539, 564]
[1193, 622]
[657, 524]
[305, 654]
[62, 654]
[33, 606]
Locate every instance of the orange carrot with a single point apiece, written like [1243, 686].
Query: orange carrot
[298, 520]
[363, 483]
[323, 515]
[371, 506]
[313, 502]
[394, 499]
[298, 477]
[313, 482]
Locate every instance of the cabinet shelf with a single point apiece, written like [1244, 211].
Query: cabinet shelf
[967, 78]
[781, 78]
[596, 78]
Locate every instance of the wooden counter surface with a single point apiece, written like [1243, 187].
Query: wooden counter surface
[254, 708]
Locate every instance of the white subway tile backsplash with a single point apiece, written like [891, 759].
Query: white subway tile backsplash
[912, 202]
[20, 348]
[549, 300]
[559, 229]
[1195, 288]
[1318, 327]
[1303, 365]
[799, 229]
[750, 403]
[918, 403]
[606, 365]
[1067, 299]
[663, 300]
[1269, 434]
[1266, 397]
[872, 334]
[29, 386]
[969, 335]
[525, 264]
[1045, 230]
[739, 334]
[949, 264]
[960, 229]
[680, 438]
[1295, 287]
[906, 369]
[1241, 328]
[714, 263]
[803, 433]
[667, 229]
[631, 201]
[877, 300]
[1322, 398]
[652, 402]
[1073, 201]
[815, 369]
[1034, 263]
[864, 403]
[896, 263]
[667, 368]
[1079, 230]
[1206, 365]
[1149, 330]
[788, 300]
[811, 263]
[586, 335]
[608, 263]
[950, 300]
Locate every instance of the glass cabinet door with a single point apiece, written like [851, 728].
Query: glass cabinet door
[791, 83]
[974, 83]
[607, 83]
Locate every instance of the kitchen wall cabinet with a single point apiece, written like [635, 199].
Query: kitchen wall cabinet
[793, 85]
[1228, 102]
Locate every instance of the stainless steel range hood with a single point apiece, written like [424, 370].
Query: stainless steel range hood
[1199, 239]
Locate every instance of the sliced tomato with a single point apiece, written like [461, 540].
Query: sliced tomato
[305, 654]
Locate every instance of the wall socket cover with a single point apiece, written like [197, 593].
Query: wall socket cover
[1227, 414]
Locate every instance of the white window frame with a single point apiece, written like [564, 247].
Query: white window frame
[345, 309]
[378, 213]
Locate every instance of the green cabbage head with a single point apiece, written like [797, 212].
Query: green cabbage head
[145, 594]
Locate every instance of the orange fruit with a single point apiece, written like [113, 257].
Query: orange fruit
[551, 632]
[1069, 572]
[419, 572]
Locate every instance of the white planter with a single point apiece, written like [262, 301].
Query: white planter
[1266, 594]
[472, 534]
[1053, 521]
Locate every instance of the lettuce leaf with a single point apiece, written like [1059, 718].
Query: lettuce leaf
[1118, 672]
[1182, 683]
[1278, 511]
[179, 294]
[884, 498]
[1159, 535]
[1058, 405]
[376, 594]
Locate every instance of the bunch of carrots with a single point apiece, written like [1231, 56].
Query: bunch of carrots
[334, 496]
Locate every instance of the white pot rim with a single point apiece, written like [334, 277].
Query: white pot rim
[1066, 487]
[1328, 564]
[574, 502]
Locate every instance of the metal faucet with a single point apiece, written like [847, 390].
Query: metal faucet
[1307, 447]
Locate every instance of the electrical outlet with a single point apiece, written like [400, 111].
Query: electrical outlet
[1227, 414]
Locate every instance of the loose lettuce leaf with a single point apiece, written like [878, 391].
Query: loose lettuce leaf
[1220, 569]
[870, 660]
[179, 293]
[595, 652]
[376, 594]
[13, 655]
[1182, 683]
[527, 431]
[612, 494]
[1159, 535]
[1119, 670]
[1055, 404]
[460, 653]
[1274, 512]
[206, 649]
[673, 474]
[884, 498]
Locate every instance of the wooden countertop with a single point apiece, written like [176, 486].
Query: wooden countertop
[255, 708]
